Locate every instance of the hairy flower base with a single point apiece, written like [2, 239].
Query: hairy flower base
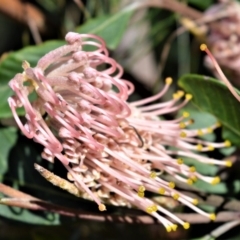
[114, 151]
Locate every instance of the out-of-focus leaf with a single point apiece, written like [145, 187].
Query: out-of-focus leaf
[201, 4]
[201, 120]
[26, 216]
[12, 64]
[8, 137]
[210, 170]
[211, 96]
[219, 188]
[110, 27]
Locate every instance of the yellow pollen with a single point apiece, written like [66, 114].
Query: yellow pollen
[228, 163]
[141, 194]
[174, 227]
[149, 209]
[179, 161]
[203, 47]
[161, 191]
[194, 178]
[171, 184]
[102, 207]
[199, 132]
[183, 134]
[199, 147]
[153, 174]
[154, 208]
[192, 169]
[25, 65]
[168, 80]
[188, 96]
[180, 93]
[185, 114]
[227, 143]
[168, 228]
[141, 189]
[216, 180]
[186, 225]
[175, 196]
[212, 216]
[195, 201]
[210, 148]
[175, 96]
[189, 181]
[209, 130]
[182, 125]
[191, 121]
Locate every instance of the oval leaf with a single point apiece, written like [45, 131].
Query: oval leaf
[110, 27]
[212, 96]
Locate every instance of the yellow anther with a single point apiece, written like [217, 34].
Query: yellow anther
[228, 163]
[182, 125]
[179, 161]
[175, 196]
[191, 121]
[183, 134]
[195, 201]
[188, 96]
[141, 194]
[149, 209]
[194, 178]
[218, 124]
[168, 80]
[25, 65]
[203, 47]
[192, 169]
[141, 189]
[168, 228]
[180, 93]
[199, 147]
[161, 190]
[212, 216]
[154, 208]
[153, 174]
[189, 181]
[186, 225]
[102, 207]
[175, 96]
[174, 227]
[210, 148]
[185, 114]
[227, 143]
[171, 184]
[199, 132]
[216, 180]
[209, 130]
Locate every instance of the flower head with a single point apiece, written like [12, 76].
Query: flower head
[114, 151]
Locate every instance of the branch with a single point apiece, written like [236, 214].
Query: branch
[173, 6]
[26, 201]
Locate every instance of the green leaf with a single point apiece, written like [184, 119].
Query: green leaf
[201, 120]
[219, 188]
[8, 137]
[23, 215]
[203, 5]
[212, 96]
[12, 65]
[110, 27]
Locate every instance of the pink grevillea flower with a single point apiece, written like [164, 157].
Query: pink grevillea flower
[113, 151]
